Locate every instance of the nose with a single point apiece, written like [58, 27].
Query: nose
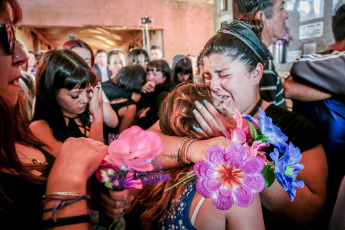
[85, 97]
[214, 84]
[149, 76]
[18, 57]
[286, 14]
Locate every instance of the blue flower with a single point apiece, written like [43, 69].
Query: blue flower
[272, 132]
[286, 169]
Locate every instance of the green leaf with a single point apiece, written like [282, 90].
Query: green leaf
[189, 176]
[261, 138]
[252, 129]
[268, 174]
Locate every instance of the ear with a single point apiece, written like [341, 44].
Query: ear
[256, 74]
[260, 15]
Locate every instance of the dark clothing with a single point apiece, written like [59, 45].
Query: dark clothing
[22, 207]
[116, 107]
[271, 87]
[113, 91]
[325, 71]
[153, 100]
[99, 75]
[73, 129]
[303, 135]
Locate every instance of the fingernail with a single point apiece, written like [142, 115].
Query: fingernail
[98, 87]
[206, 103]
[196, 113]
[196, 129]
[223, 111]
[198, 105]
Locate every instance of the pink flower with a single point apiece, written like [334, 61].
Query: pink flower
[135, 148]
[254, 150]
[229, 176]
[241, 133]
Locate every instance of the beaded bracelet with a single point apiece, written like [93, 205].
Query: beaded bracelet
[50, 223]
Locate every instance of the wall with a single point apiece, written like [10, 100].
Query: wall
[185, 25]
[297, 20]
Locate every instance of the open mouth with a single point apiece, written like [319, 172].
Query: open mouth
[15, 81]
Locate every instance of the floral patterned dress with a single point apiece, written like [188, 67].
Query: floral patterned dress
[177, 215]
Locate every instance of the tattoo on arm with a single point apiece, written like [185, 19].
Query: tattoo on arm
[171, 155]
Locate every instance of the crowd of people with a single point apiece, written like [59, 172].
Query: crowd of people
[60, 110]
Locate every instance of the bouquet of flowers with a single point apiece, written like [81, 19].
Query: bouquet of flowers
[128, 162]
[234, 174]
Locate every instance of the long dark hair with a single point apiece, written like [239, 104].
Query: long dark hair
[161, 65]
[14, 128]
[130, 78]
[58, 69]
[183, 66]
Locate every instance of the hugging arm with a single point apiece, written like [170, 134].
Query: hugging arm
[309, 200]
[196, 150]
[302, 92]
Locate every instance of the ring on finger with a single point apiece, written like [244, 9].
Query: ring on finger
[124, 204]
[124, 211]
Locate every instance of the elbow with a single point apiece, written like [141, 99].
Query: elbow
[312, 211]
[287, 90]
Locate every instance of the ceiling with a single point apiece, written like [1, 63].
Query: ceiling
[97, 37]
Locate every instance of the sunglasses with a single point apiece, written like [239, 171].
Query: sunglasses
[8, 38]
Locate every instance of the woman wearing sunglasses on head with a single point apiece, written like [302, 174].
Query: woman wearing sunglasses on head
[24, 165]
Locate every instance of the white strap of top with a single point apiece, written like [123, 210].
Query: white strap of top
[196, 210]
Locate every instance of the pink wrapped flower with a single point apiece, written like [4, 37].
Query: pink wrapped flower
[229, 176]
[135, 148]
[241, 133]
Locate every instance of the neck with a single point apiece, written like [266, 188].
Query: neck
[70, 115]
[266, 41]
[338, 46]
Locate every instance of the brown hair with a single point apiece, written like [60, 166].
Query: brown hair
[176, 111]
[176, 119]
[12, 8]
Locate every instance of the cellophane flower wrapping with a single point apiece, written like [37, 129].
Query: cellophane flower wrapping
[128, 162]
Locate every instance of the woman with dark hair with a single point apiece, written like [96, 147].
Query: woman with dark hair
[182, 69]
[85, 52]
[66, 104]
[63, 100]
[138, 57]
[24, 165]
[158, 84]
[177, 119]
[130, 79]
[233, 62]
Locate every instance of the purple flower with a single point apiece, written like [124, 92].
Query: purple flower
[286, 169]
[229, 176]
[116, 179]
[272, 132]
